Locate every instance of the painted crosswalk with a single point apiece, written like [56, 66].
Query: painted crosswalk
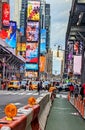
[20, 92]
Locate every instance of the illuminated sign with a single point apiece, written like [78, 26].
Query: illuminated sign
[33, 10]
[43, 41]
[32, 31]
[31, 74]
[5, 14]
[32, 52]
[31, 66]
[42, 63]
[9, 35]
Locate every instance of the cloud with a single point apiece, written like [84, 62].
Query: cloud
[59, 19]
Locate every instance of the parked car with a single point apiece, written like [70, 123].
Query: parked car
[13, 84]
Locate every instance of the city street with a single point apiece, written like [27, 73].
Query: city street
[19, 98]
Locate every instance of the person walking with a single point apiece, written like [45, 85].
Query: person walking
[71, 88]
[82, 91]
[38, 88]
[76, 91]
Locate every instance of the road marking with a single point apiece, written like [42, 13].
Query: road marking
[17, 103]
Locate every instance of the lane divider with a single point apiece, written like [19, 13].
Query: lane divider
[27, 117]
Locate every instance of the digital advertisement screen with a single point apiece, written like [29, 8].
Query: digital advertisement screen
[31, 74]
[42, 63]
[9, 35]
[33, 10]
[31, 67]
[43, 41]
[76, 47]
[32, 31]
[23, 47]
[5, 14]
[32, 52]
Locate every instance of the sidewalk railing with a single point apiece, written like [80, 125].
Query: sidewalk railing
[78, 103]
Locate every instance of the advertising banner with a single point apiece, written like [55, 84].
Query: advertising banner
[11, 39]
[76, 47]
[33, 10]
[31, 74]
[42, 63]
[19, 45]
[32, 31]
[9, 35]
[31, 66]
[43, 41]
[77, 65]
[23, 47]
[32, 52]
[5, 14]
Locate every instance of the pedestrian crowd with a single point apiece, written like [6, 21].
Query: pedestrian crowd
[76, 90]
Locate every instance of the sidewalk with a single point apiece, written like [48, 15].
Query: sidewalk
[63, 116]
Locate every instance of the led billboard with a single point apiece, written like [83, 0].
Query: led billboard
[9, 35]
[32, 52]
[77, 64]
[31, 67]
[76, 47]
[5, 14]
[11, 39]
[31, 74]
[32, 31]
[33, 10]
[43, 41]
[42, 63]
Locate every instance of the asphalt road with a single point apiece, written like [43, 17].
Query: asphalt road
[19, 98]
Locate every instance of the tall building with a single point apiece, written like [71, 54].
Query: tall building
[0, 13]
[47, 25]
[23, 17]
[15, 8]
[42, 13]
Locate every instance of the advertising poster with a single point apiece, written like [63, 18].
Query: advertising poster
[42, 63]
[23, 47]
[33, 10]
[76, 47]
[77, 64]
[19, 45]
[32, 31]
[32, 52]
[43, 41]
[31, 67]
[31, 74]
[9, 35]
[5, 14]
[11, 39]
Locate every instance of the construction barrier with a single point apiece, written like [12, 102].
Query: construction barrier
[79, 104]
[32, 118]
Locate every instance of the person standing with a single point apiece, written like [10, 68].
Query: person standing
[38, 88]
[71, 88]
[76, 91]
[82, 91]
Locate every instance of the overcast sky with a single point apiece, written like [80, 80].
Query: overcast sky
[59, 18]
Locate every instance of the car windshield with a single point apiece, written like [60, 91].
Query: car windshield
[23, 82]
[14, 83]
[35, 82]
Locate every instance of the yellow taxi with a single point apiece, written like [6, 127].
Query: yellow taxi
[13, 84]
[33, 86]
